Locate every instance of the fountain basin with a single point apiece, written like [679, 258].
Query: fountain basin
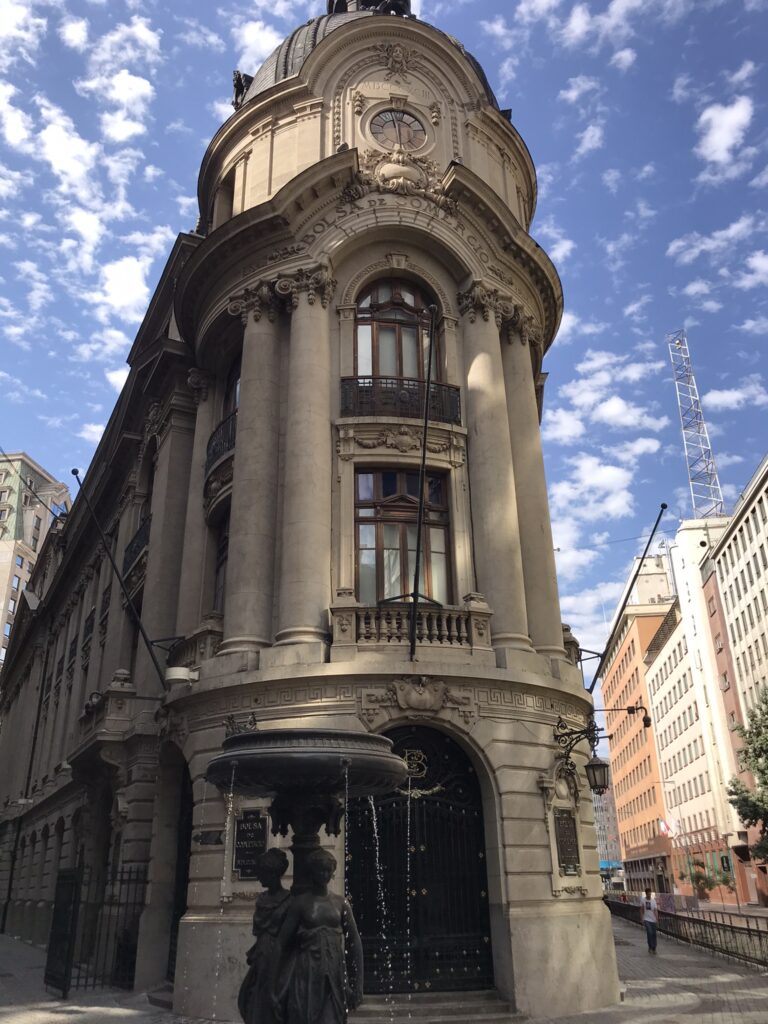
[307, 761]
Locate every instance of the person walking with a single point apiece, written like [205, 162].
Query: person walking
[650, 920]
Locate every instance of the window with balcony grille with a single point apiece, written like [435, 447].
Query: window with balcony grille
[220, 574]
[386, 509]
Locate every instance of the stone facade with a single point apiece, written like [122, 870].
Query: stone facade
[239, 537]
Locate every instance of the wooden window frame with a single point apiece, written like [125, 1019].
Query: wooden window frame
[382, 314]
[400, 509]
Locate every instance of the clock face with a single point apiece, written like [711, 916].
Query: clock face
[393, 128]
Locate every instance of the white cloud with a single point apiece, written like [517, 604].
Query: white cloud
[196, 34]
[572, 555]
[750, 391]
[758, 325]
[618, 413]
[697, 288]
[722, 129]
[21, 32]
[624, 59]
[73, 32]
[257, 40]
[589, 613]
[592, 138]
[760, 180]
[743, 75]
[508, 70]
[757, 274]
[634, 310]
[594, 490]
[12, 182]
[221, 109]
[150, 244]
[572, 325]
[117, 378]
[724, 460]
[15, 123]
[561, 247]
[535, 10]
[39, 292]
[152, 173]
[615, 249]
[578, 87]
[123, 291]
[646, 171]
[681, 89]
[631, 451]
[562, 426]
[612, 179]
[16, 391]
[103, 345]
[578, 26]
[70, 157]
[642, 212]
[689, 247]
[91, 432]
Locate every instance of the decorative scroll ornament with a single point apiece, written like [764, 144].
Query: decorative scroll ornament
[527, 328]
[255, 301]
[198, 382]
[398, 60]
[403, 439]
[399, 173]
[488, 302]
[234, 726]
[316, 282]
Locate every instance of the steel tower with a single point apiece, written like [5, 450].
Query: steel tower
[706, 495]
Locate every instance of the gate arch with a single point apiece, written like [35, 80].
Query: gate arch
[435, 932]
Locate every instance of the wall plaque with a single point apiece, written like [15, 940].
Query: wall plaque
[251, 835]
[567, 841]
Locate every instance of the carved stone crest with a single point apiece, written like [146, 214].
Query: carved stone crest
[399, 173]
[420, 697]
[398, 60]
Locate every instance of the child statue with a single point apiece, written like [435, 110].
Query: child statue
[255, 999]
[324, 980]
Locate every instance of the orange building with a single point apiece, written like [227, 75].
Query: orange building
[645, 849]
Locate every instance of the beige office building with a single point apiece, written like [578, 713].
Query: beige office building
[259, 484]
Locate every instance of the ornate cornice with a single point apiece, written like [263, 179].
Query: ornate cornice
[487, 302]
[254, 301]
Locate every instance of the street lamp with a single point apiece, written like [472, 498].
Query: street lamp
[598, 771]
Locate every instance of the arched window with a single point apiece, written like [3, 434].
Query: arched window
[392, 331]
[220, 572]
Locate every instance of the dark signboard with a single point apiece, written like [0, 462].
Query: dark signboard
[567, 841]
[250, 842]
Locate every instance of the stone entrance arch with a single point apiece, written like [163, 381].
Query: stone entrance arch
[432, 932]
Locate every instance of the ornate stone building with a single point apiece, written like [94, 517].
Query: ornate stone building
[259, 481]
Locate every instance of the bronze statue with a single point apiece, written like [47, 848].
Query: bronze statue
[255, 1001]
[321, 982]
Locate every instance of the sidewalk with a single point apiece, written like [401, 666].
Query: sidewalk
[679, 985]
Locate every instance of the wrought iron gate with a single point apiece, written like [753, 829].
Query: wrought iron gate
[94, 930]
[434, 933]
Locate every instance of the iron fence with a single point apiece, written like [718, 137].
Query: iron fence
[743, 939]
[399, 396]
[94, 930]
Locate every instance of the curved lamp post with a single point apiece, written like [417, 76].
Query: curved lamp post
[597, 769]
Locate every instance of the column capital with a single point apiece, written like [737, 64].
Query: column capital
[488, 302]
[254, 301]
[526, 327]
[198, 382]
[317, 282]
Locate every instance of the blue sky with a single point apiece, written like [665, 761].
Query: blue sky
[646, 120]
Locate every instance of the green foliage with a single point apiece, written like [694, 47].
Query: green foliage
[752, 805]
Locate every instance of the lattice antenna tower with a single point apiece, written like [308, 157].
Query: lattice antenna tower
[706, 495]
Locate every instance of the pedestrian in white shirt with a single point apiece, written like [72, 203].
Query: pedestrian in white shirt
[650, 920]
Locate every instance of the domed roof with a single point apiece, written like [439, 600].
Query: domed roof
[288, 59]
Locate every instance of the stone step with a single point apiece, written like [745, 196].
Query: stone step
[162, 996]
[434, 1007]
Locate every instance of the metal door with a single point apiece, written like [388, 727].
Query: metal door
[424, 917]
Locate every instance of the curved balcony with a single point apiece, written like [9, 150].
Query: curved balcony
[399, 396]
[221, 441]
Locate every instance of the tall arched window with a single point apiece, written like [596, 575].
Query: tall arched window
[392, 331]
[232, 390]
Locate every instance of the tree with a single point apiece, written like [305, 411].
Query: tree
[752, 805]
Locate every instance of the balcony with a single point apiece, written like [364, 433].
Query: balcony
[136, 545]
[401, 397]
[221, 441]
[464, 629]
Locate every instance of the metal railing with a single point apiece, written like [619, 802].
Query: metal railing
[399, 396]
[136, 545]
[744, 939]
[221, 441]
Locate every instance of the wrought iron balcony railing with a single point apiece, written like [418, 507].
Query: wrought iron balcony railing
[136, 545]
[221, 441]
[399, 396]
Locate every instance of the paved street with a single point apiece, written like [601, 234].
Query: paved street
[678, 986]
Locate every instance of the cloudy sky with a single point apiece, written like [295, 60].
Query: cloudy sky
[647, 122]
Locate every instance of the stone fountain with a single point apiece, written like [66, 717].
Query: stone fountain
[299, 962]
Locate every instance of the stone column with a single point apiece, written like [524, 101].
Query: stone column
[192, 596]
[539, 571]
[305, 569]
[252, 530]
[496, 532]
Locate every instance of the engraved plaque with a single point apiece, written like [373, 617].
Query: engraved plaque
[567, 841]
[250, 842]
